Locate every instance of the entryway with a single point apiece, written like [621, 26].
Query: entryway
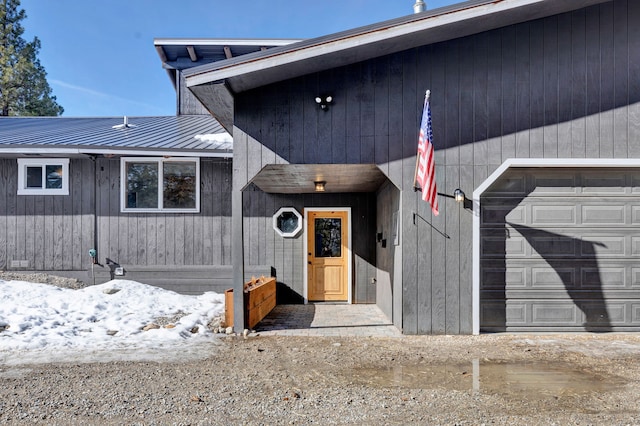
[327, 319]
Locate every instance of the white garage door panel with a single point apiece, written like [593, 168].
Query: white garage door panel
[560, 250]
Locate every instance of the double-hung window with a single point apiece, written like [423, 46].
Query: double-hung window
[43, 176]
[150, 184]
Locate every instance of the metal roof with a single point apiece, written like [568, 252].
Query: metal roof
[167, 135]
[220, 80]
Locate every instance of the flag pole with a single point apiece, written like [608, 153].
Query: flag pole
[427, 95]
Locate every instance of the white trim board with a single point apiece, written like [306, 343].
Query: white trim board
[524, 163]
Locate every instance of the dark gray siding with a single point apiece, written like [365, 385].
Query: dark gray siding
[564, 86]
[387, 252]
[188, 104]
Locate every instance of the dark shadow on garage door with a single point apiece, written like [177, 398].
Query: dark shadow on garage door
[586, 293]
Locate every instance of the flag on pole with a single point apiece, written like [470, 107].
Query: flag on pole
[426, 175]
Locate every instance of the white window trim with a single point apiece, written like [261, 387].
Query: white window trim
[160, 161]
[287, 210]
[23, 163]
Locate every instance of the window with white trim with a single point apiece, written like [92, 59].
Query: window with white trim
[151, 184]
[287, 222]
[43, 176]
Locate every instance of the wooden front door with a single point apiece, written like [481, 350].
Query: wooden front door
[328, 252]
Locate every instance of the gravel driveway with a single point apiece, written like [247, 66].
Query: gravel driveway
[490, 379]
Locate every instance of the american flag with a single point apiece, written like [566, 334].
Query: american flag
[426, 175]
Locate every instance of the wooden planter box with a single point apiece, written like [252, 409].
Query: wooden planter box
[259, 299]
[228, 308]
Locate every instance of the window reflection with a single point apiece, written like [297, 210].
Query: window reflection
[328, 237]
[54, 176]
[179, 185]
[142, 185]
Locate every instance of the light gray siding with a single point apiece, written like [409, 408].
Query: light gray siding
[47, 232]
[166, 238]
[189, 253]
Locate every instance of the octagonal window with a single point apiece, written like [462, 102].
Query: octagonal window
[287, 222]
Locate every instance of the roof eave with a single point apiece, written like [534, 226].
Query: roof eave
[242, 74]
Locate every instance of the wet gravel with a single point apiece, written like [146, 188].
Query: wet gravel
[276, 380]
[300, 380]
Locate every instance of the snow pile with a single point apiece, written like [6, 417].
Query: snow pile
[44, 322]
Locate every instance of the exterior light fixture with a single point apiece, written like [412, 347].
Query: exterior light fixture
[319, 184]
[458, 195]
[324, 101]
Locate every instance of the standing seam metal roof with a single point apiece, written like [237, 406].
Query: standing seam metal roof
[173, 133]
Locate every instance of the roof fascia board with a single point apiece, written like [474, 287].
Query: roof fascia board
[223, 42]
[118, 152]
[306, 50]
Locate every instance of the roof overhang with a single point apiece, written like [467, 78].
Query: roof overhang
[181, 53]
[220, 80]
[300, 178]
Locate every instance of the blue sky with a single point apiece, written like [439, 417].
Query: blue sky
[100, 59]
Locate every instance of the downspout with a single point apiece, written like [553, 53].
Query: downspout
[93, 251]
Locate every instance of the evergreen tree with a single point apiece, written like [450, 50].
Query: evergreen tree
[24, 89]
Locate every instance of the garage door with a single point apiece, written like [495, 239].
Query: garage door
[560, 251]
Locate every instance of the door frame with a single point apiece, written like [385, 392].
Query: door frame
[305, 293]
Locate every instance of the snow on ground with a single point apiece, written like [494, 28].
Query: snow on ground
[44, 323]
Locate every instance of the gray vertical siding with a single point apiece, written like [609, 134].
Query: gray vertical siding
[166, 238]
[190, 253]
[567, 86]
[51, 233]
[188, 104]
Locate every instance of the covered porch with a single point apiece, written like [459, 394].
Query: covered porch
[369, 202]
[327, 320]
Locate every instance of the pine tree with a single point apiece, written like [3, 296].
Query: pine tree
[24, 89]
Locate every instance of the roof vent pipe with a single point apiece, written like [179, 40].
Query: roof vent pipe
[420, 6]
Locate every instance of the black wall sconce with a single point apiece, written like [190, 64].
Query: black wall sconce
[324, 101]
[459, 195]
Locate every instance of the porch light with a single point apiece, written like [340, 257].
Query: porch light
[458, 195]
[324, 101]
[319, 184]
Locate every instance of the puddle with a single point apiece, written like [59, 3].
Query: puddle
[537, 380]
